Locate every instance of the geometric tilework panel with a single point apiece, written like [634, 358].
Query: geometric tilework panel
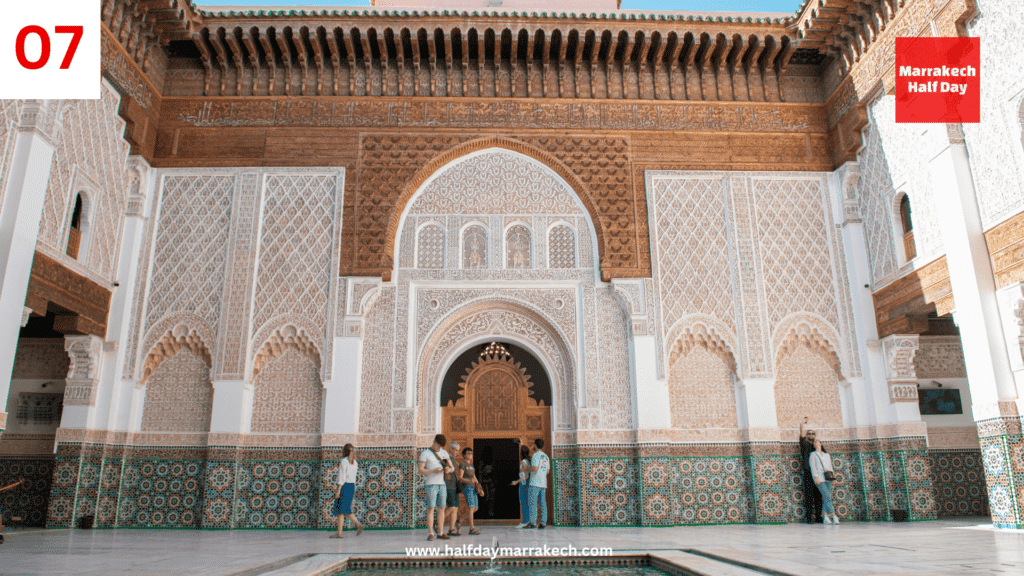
[180, 488]
[27, 501]
[161, 493]
[959, 481]
[609, 492]
[1003, 462]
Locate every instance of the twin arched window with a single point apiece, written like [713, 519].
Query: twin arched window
[430, 247]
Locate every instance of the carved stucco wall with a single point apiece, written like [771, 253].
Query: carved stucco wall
[701, 391]
[90, 156]
[287, 396]
[806, 386]
[995, 145]
[748, 256]
[894, 161]
[179, 396]
[940, 357]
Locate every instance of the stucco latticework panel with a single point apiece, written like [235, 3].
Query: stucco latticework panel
[10, 115]
[179, 396]
[617, 399]
[430, 247]
[295, 249]
[874, 189]
[238, 285]
[287, 396]
[701, 391]
[90, 156]
[996, 144]
[561, 247]
[191, 250]
[805, 385]
[376, 388]
[795, 255]
[498, 182]
[692, 249]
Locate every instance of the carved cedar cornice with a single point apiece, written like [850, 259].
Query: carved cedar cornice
[455, 54]
[845, 29]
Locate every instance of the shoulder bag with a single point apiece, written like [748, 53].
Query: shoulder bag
[447, 475]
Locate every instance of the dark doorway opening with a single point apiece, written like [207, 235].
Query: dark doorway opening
[497, 467]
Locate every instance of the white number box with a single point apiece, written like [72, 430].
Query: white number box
[50, 49]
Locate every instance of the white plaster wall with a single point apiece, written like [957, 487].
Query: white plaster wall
[996, 144]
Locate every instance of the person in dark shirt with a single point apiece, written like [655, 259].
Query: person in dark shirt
[812, 498]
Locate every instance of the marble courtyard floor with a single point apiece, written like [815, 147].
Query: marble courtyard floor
[960, 547]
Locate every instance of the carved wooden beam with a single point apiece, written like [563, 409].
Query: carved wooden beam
[286, 59]
[237, 54]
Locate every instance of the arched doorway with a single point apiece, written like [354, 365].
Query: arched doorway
[493, 397]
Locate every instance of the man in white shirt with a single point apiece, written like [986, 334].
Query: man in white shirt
[540, 464]
[433, 464]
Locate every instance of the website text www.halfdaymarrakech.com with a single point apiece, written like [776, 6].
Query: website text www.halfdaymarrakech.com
[478, 551]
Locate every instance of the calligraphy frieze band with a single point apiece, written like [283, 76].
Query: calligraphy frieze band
[503, 113]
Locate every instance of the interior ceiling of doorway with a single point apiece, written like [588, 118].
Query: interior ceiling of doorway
[538, 376]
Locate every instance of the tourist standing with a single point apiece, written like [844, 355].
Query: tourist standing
[451, 482]
[2, 527]
[432, 465]
[812, 498]
[821, 469]
[345, 491]
[539, 466]
[524, 488]
[470, 487]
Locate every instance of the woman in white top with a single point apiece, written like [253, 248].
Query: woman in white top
[821, 471]
[346, 490]
[524, 488]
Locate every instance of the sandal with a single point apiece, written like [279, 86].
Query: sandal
[336, 536]
[359, 530]
[474, 532]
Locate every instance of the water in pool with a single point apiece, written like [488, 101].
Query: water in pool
[517, 571]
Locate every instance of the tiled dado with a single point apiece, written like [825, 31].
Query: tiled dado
[224, 488]
[27, 501]
[959, 481]
[1002, 455]
[231, 487]
[761, 483]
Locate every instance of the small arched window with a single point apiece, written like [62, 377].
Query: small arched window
[75, 231]
[518, 247]
[474, 247]
[561, 247]
[909, 248]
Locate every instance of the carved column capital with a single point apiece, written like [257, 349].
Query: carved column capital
[360, 294]
[849, 177]
[26, 311]
[83, 379]
[900, 373]
[138, 170]
[630, 294]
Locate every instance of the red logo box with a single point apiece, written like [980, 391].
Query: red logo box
[938, 80]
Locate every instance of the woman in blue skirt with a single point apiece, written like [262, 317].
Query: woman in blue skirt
[346, 490]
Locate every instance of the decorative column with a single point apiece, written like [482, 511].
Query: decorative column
[994, 396]
[651, 397]
[20, 214]
[341, 391]
[870, 403]
[122, 391]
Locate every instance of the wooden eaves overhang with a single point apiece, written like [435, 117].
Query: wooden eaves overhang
[679, 58]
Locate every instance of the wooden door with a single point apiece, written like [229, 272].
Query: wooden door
[496, 402]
